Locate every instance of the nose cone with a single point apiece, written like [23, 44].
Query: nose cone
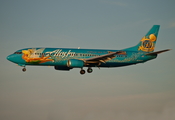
[16, 58]
[11, 58]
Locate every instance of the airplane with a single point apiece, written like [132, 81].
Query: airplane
[68, 58]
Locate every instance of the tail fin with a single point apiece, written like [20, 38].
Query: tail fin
[147, 43]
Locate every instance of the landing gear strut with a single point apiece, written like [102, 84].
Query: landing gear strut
[24, 69]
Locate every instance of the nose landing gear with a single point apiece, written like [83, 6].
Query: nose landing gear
[24, 69]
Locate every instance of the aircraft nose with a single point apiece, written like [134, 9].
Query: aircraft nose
[10, 57]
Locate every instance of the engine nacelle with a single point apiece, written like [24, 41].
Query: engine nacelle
[65, 68]
[74, 63]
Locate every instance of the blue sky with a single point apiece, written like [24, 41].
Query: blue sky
[138, 92]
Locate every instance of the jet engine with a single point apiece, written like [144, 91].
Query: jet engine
[74, 63]
[65, 68]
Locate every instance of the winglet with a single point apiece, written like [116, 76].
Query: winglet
[158, 52]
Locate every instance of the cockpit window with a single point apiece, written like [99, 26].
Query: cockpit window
[18, 53]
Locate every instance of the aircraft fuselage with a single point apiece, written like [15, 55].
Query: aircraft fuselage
[60, 56]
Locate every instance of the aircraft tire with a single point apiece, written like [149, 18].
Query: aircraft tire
[89, 70]
[82, 72]
[24, 69]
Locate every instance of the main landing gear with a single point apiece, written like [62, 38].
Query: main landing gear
[89, 70]
[82, 71]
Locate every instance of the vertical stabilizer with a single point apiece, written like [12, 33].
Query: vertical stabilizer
[147, 43]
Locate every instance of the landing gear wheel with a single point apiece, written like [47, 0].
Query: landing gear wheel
[89, 70]
[82, 72]
[24, 69]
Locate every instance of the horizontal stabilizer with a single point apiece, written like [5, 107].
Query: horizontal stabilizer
[158, 52]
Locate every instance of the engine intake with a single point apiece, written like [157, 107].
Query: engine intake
[74, 63]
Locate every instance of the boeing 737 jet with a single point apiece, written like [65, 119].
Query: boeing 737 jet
[69, 58]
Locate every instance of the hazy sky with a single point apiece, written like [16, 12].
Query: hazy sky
[139, 92]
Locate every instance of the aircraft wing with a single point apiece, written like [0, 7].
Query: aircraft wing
[103, 58]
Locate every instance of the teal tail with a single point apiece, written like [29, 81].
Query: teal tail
[147, 43]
